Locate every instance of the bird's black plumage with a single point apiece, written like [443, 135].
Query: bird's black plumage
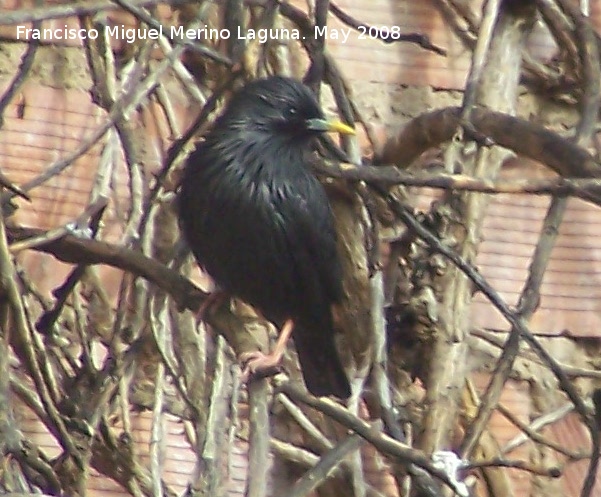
[259, 222]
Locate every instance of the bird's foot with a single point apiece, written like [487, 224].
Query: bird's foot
[259, 365]
[212, 302]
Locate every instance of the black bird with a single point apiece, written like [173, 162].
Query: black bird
[259, 222]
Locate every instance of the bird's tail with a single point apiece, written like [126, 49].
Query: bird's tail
[320, 363]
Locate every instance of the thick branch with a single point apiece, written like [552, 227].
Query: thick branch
[74, 250]
[524, 138]
[585, 188]
[372, 434]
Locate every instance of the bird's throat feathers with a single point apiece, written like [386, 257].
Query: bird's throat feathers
[264, 153]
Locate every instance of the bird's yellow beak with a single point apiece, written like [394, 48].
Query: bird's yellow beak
[340, 127]
[335, 125]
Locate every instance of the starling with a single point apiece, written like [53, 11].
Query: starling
[259, 222]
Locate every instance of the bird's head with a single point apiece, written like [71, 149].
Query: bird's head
[281, 107]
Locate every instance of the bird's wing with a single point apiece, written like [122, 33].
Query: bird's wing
[308, 220]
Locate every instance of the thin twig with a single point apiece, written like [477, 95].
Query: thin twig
[23, 333]
[122, 107]
[158, 323]
[304, 422]
[315, 73]
[14, 86]
[552, 472]
[537, 424]
[536, 437]
[77, 250]
[463, 26]
[590, 103]
[72, 10]
[386, 36]
[326, 467]
[145, 17]
[490, 11]
[91, 211]
[528, 302]
[294, 454]
[371, 433]
[483, 286]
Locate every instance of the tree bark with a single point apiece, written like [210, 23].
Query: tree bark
[465, 212]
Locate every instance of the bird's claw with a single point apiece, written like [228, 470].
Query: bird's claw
[256, 364]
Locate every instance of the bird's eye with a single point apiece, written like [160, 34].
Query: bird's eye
[290, 113]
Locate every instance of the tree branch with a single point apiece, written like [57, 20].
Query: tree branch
[524, 138]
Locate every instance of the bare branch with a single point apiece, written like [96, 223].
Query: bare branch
[326, 467]
[369, 432]
[529, 300]
[512, 317]
[419, 39]
[72, 10]
[525, 138]
[386, 176]
[538, 438]
[258, 457]
[553, 472]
